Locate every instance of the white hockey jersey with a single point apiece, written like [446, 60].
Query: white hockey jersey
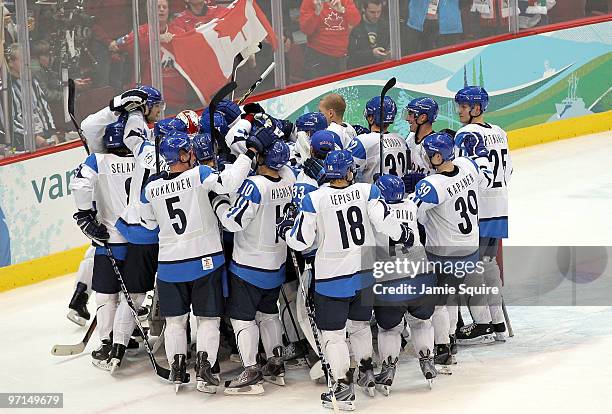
[366, 153]
[448, 208]
[259, 254]
[94, 126]
[343, 220]
[345, 131]
[304, 185]
[419, 162]
[101, 183]
[493, 202]
[178, 205]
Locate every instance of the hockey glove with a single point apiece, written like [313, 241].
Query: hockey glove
[128, 101]
[314, 168]
[261, 140]
[411, 179]
[86, 220]
[287, 221]
[252, 108]
[407, 237]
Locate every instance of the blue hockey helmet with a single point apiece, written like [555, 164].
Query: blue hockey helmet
[323, 142]
[277, 155]
[473, 95]
[311, 122]
[360, 130]
[338, 163]
[177, 125]
[230, 110]
[203, 147]
[154, 96]
[442, 143]
[113, 135]
[219, 120]
[170, 148]
[373, 109]
[163, 127]
[391, 187]
[423, 105]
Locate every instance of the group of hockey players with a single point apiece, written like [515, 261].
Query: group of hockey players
[264, 225]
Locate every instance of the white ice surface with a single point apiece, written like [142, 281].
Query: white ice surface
[558, 361]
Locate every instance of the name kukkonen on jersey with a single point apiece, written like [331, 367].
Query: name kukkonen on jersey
[171, 187]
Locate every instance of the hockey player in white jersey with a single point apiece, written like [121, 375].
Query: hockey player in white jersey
[394, 301]
[181, 205]
[343, 218]
[99, 204]
[447, 204]
[333, 107]
[77, 308]
[479, 138]
[305, 126]
[257, 270]
[366, 148]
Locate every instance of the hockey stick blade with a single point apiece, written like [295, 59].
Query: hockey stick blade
[71, 97]
[390, 84]
[67, 350]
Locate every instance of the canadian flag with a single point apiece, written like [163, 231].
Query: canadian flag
[205, 56]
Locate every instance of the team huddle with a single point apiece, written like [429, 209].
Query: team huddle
[273, 230]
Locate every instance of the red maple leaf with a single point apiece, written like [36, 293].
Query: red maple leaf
[334, 21]
[233, 21]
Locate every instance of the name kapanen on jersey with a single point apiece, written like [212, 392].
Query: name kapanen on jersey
[122, 167]
[283, 192]
[338, 199]
[171, 187]
[458, 186]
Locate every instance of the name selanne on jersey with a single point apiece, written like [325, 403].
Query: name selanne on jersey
[103, 180]
[259, 255]
[365, 149]
[343, 221]
[493, 208]
[448, 208]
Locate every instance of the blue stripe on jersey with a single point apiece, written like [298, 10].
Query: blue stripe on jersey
[496, 227]
[137, 234]
[403, 287]
[92, 162]
[191, 269]
[300, 190]
[143, 196]
[262, 278]
[205, 171]
[344, 286]
[119, 250]
[307, 206]
[143, 146]
[374, 193]
[425, 192]
[357, 149]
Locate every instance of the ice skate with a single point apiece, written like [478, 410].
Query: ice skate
[178, 371]
[101, 355]
[206, 381]
[384, 379]
[366, 378]
[476, 333]
[500, 332]
[294, 355]
[274, 369]
[426, 361]
[344, 392]
[247, 383]
[443, 358]
[78, 312]
[115, 357]
[453, 345]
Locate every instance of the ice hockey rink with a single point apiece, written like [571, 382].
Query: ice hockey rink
[557, 362]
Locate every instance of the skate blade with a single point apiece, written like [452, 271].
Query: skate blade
[177, 386]
[384, 389]
[443, 370]
[430, 383]
[500, 337]
[205, 387]
[371, 391]
[114, 365]
[73, 316]
[342, 405]
[277, 380]
[481, 340]
[296, 364]
[256, 389]
[103, 365]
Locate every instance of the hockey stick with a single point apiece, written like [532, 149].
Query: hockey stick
[315, 330]
[508, 324]
[159, 370]
[216, 136]
[67, 350]
[71, 95]
[258, 82]
[390, 84]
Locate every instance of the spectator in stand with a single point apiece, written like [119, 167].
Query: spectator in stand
[327, 25]
[177, 92]
[369, 41]
[196, 13]
[44, 127]
[432, 24]
[113, 18]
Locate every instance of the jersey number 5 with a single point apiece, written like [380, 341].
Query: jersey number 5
[179, 227]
